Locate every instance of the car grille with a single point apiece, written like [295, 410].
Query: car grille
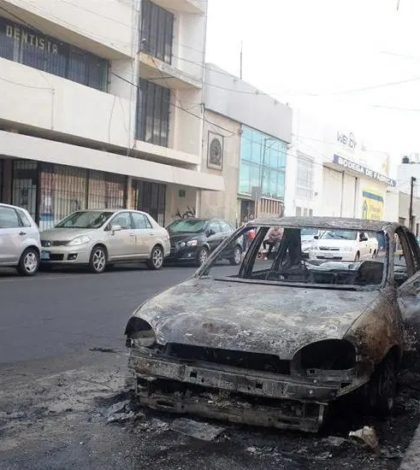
[328, 248]
[242, 359]
[47, 243]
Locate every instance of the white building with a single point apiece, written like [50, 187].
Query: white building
[101, 106]
[246, 134]
[331, 173]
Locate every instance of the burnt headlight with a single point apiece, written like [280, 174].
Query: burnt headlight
[139, 333]
[328, 355]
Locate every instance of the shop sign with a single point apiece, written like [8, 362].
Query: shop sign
[347, 140]
[25, 36]
[362, 170]
[372, 205]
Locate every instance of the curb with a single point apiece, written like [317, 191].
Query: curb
[411, 459]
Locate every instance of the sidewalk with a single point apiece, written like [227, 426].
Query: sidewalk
[411, 460]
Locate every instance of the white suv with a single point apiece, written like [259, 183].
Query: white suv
[20, 244]
[344, 245]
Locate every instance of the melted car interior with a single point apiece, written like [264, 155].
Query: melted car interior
[331, 257]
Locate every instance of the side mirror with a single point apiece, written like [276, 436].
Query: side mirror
[363, 238]
[115, 228]
[210, 232]
[316, 237]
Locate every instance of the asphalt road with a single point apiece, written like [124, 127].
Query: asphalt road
[68, 312]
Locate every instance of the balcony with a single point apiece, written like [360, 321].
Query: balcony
[40, 100]
[166, 75]
[185, 6]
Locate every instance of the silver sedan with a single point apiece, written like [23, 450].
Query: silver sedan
[99, 238]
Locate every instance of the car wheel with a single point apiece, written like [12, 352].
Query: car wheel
[29, 262]
[357, 257]
[380, 391]
[202, 256]
[237, 256]
[97, 261]
[156, 258]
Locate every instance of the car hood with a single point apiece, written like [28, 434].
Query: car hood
[333, 243]
[183, 237]
[248, 317]
[64, 234]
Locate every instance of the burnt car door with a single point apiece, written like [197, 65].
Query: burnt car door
[407, 277]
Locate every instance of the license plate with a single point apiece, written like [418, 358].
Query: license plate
[45, 255]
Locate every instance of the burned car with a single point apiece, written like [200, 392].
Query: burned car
[274, 341]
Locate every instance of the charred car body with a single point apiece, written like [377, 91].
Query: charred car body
[275, 341]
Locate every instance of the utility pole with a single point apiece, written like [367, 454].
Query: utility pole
[410, 213]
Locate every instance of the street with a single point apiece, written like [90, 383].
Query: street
[63, 364]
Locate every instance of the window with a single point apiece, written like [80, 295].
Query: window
[42, 52]
[24, 219]
[123, 220]
[156, 31]
[305, 177]
[8, 218]
[149, 197]
[214, 227]
[263, 162]
[298, 211]
[140, 221]
[152, 123]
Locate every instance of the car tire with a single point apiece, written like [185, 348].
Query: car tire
[156, 258]
[202, 256]
[379, 396]
[29, 262]
[98, 260]
[237, 256]
[357, 257]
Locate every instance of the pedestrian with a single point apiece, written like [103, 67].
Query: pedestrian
[274, 237]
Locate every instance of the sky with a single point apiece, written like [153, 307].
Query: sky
[353, 63]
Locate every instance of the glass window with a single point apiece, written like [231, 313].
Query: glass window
[156, 31]
[263, 162]
[152, 113]
[8, 218]
[214, 227]
[46, 53]
[123, 219]
[140, 221]
[24, 219]
[187, 226]
[85, 219]
[305, 177]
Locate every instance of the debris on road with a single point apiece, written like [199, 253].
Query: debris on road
[335, 441]
[105, 350]
[197, 429]
[368, 436]
[121, 412]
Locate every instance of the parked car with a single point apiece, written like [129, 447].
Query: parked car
[19, 240]
[276, 341]
[344, 245]
[99, 238]
[192, 240]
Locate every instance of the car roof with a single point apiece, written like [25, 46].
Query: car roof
[11, 206]
[325, 223]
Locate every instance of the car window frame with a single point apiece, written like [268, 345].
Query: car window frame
[22, 216]
[17, 217]
[111, 221]
[132, 214]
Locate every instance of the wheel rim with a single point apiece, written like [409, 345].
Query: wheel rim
[30, 262]
[157, 258]
[203, 256]
[98, 260]
[237, 256]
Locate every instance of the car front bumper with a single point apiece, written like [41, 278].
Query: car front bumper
[223, 392]
[187, 253]
[65, 254]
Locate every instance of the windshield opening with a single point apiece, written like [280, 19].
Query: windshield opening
[187, 226]
[85, 219]
[336, 257]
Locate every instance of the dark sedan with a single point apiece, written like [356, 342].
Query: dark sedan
[192, 240]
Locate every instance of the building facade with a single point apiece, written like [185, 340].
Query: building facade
[102, 107]
[246, 134]
[331, 173]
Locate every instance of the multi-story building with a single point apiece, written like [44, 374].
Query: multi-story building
[331, 173]
[246, 134]
[101, 106]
